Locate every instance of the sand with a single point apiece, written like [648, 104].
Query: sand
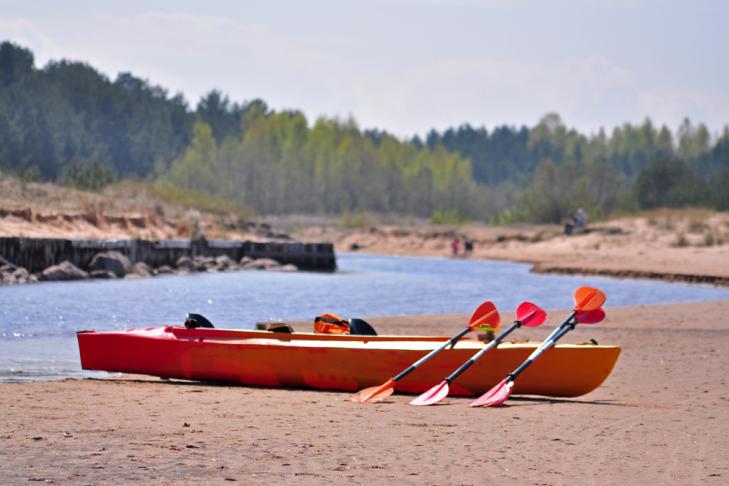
[661, 417]
[674, 245]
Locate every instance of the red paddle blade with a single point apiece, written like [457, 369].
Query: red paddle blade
[495, 396]
[588, 298]
[374, 394]
[432, 396]
[590, 317]
[485, 316]
[530, 315]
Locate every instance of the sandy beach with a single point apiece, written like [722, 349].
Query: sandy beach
[662, 416]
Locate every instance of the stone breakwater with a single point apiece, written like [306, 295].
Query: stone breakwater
[27, 260]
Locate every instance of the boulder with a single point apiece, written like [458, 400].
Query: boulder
[202, 263]
[17, 275]
[112, 261]
[102, 274]
[63, 271]
[165, 270]
[7, 268]
[142, 269]
[262, 264]
[225, 261]
[245, 261]
[185, 263]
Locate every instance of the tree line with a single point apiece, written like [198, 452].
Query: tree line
[67, 122]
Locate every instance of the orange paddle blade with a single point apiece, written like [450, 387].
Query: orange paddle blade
[374, 394]
[432, 396]
[495, 396]
[485, 316]
[588, 298]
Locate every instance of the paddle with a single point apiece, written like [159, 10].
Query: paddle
[501, 392]
[527, 314]
[485, 315]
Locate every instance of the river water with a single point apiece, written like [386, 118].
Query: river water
[38, 322]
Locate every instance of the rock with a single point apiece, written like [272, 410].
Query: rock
[245, 261]
[20, 275]
[8, 268]
[185, 263]
[165, 270]
[225, 261]
[202, 263]
[262, 264]
[142, 269]
[63, 271]
[102, 274]
[112, 261]
[10, 275]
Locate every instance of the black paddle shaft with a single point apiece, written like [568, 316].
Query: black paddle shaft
[425, 358]
[515, 325]
[564, 329]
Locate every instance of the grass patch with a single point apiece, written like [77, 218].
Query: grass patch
[354, 220]
[197, 200]
[448, 218]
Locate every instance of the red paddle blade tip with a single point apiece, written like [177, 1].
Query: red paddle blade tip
[495, 396]
[588, 298]
[530, 315]
[485, 316]
[374, 394]
[432, 396]
[590, 317]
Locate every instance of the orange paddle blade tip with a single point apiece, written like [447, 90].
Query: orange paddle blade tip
[374, 394]
[530, 315]
[485, 316]
[432, 396]
[588, 298]
[495, 396]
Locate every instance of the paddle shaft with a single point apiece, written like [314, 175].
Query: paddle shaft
[554, 337]
[425, 358]
[559, 328]
[515, 325]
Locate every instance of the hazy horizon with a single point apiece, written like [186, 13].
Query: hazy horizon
[411, 65]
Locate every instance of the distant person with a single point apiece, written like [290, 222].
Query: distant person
[455, 247]
[578, 219]
[468, 247]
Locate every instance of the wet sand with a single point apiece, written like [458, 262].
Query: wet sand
[661, 417]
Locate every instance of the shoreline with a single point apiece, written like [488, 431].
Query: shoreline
[132, 428]
[561, 269]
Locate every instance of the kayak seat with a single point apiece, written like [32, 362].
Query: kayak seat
[280, 327]
[193, 321]
[361, 327]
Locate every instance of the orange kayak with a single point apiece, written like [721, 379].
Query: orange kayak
[339, 362]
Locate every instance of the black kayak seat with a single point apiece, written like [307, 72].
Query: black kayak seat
[361, 327]
[193, 321]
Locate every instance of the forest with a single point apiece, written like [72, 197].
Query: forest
[66, 122]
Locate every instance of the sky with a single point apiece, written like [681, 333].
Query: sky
[408, 66]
